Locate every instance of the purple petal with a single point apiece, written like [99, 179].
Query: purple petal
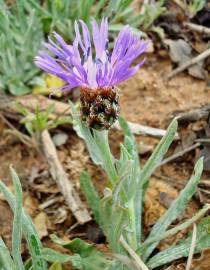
[100, 38]
[86, 35]
[75, 64]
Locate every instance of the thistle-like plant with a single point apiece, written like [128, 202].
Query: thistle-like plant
[119, 211]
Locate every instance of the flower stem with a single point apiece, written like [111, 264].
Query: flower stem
[101, 138]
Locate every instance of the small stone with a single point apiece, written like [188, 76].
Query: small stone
[60, 138]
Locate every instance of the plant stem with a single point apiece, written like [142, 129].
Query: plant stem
[101, 138]
[132, 235]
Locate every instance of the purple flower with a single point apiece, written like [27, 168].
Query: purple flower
[81, 66]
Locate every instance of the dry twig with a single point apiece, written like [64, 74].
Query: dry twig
[196, 27]
[189, 63]
[138, 129]
[136, 259]
[59, 175]
[193, 115]
[22, 137]
[124, 259]
[192, 248]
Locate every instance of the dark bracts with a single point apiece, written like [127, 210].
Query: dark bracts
[99, 108]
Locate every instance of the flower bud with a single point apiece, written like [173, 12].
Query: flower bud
[100, 107]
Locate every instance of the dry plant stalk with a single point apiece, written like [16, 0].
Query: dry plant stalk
[196, 27]
[65, 185]
[189, 63]
[192, 248]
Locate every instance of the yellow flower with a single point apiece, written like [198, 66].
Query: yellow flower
[51, 81]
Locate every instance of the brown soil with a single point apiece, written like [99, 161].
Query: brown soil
[148, 99]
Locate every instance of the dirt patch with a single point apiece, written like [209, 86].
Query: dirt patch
[148, 99]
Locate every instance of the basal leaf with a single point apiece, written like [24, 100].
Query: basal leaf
[51, 255]
[91, 195]
[17, 222]
[5, 259]
[182, 249]
[176, 208]
[158, 153]
[29, 231]
[86, 252]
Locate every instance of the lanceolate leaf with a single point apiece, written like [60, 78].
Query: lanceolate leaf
[54, 256]
[177, 228]
[88, 258]
[158, 153]
[5, 259]
[134, 197]
[17, 222]
[91, 195]
[182, 249]
[176, 208]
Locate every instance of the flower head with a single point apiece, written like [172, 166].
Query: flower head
[79, 65]
[95, 70]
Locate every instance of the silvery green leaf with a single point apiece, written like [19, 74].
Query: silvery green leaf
[85, 252]
[129, 163]
[158, 153]
[114, 221]
[99, 6]
[102, 141]
[17, 222]
[91, 195]
[113, 6]
[115, 265]
[118, 27]
[177, 228]
[51, 255]
[134, 193]
[18, 46]
[176, 208]
[29, 231]
[5, 259]
[182, 249]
